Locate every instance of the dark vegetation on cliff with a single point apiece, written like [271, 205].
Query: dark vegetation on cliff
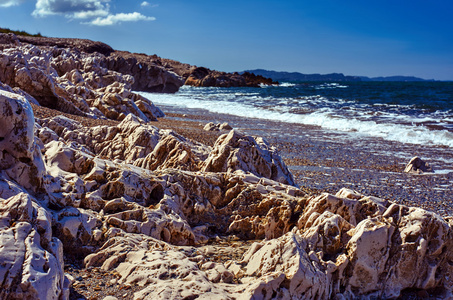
[19, 32]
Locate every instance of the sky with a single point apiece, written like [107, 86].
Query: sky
[354, 37]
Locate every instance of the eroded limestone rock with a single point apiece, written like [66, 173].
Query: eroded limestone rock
[73, 82]
[20, 158]
[217, 127]
[32, 260]
[237, 151]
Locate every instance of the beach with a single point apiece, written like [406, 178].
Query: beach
[320, 162]
[326, 161]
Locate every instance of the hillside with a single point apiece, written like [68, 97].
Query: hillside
[337, 77]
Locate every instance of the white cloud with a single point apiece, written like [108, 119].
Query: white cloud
[78, 9]
[90, 14]
[121, 17]
[147, 4]
[8, 3]
[96, 12]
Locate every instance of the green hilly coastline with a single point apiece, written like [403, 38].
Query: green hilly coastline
[337, 77]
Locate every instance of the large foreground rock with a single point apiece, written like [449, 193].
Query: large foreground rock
[31, 258]
[353, 248]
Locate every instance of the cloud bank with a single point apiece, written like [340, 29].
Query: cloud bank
[96, 12]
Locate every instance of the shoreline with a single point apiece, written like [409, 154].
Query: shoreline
[326, 161]
[320, 160]
[310, 159]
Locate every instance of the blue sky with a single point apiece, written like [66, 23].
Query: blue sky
[371, 38]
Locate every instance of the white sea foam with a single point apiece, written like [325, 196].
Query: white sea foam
[287, 84]
[332, 85]
[323, 117]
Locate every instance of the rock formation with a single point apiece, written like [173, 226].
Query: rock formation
[148, 73]
[163, 212]
[236, 151]
[73, 82]
[217, 127]
[205, 77]
[417, 166]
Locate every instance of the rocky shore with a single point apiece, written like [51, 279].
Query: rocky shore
[101, 197]
[151, 73]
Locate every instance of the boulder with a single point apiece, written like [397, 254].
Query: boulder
[217, 127]
[20, 158]
[225, 126]
[32, 260]
[211, 127]
[417, 166]
[237, 151]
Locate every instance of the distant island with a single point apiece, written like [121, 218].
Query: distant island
[298, 77]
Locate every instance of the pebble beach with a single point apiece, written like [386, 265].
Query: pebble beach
[321, 161]
[326, 161]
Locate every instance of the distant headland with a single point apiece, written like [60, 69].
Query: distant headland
[298, 77]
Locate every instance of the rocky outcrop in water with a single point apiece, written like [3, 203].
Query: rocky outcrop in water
[208, 78]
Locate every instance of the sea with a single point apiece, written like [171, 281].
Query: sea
[407, 112]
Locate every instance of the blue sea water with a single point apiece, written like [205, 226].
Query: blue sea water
[407, 112]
